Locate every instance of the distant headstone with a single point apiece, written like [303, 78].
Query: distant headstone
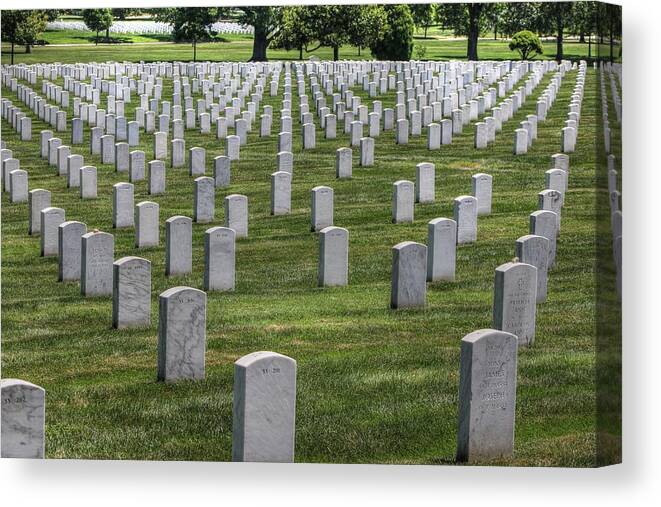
[236, 214]
[178, 246]
[402, 201]
[264, 408]
[333, 257]
[515, 295]
[50, 220]
[409, 275]
[146, 224]
[322, 208]
[181, 334]
[97, 255]
[19, 186]
[425, 182]
[343, 163]
[534, 250]
[552, 200]
[221, 171]
[441, 249]
[87, 177]
[131, 296]
[280, 193]
[487, 395]
[136, 165]
[219, 259]
[38, 199]
[482, 189]
[69, 250]
[204, 199]
[122, 205]
[465, 214]
[545, 223]
[23, 415]
[197, 161]
[156, 177]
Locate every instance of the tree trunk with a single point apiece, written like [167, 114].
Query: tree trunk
[194, 50]
[300, 52]
[336, 53]
[611, 36]
[12, 52]
[259, 45]
[426, 28]
[28, 49]
[581, 37]
[96, 42]
[359, 48]
[473, 30]
[495, 32]
[108, 34]
[589, 45]
[559, 39]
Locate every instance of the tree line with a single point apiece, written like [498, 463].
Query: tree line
[386, 30]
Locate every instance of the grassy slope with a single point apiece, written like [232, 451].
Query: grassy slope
[374, 385]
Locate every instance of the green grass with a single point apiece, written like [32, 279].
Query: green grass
[239, 48]
[374, 385]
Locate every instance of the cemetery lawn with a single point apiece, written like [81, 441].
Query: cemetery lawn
[374, 385]
[234, 47]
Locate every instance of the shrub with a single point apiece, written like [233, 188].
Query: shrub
[527, 44]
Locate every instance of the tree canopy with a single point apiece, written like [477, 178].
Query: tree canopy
[98, 20]
[527, 44]
[191, 24]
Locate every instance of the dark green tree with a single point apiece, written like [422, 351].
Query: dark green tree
[190, 24]
[519, 16]
[296, 30]
[11, 21]
[555, 17]
[527, 44]
[424, 15]
[98, 20]
[396, 40]
[266, 24]
[30, 29]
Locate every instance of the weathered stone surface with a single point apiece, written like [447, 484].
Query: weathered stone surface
[87, 177]
[178, 246]
[333, 257]
[122, 205]
[425, 182]
[74, 163]
[221, 171]
[69, 250]
[322, 208]
[487, 395]
[181, 334]
[23, 418]
[38, 199]
[409, 275]
[19, 186]
[545, 223]
[197, 161]
[236, 214]
[219, 259]
[441, 249]
[280, 193]
[534, 250]
[366, 151]
[131, 296]
[204, 199]
[156, 177]
[147, 224]
[97, 255]
[551, 200]
[343, 163]
[264, 408]
[402, 201]
[465, 214]
[285, 161]
[50, 220]
[136, 165]
[514, 305]
[482, 185]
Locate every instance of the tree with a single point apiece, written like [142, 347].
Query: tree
[98, 20]
[396, 40]
[527, 44]
[30, 28]
[295, 30]
[494, 17]
[424, 15]
[466, 19]
[558, 15]
[11, 21]
[190, 24]
[265, 21]
[519, 16]
[474, 13]
[368, 26]
[584, 22]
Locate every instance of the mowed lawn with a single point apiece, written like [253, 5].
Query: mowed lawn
[374, 385]
[239, 48]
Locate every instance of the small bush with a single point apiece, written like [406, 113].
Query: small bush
[527, 44]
